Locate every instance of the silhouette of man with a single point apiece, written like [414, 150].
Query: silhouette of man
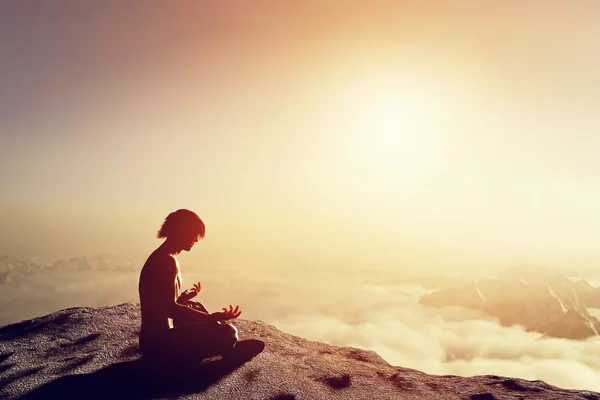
[197, 333]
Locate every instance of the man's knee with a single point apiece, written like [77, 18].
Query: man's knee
[230, 334]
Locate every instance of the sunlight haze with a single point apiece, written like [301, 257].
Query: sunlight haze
[464, 133]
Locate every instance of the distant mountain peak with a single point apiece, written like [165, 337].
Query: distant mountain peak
[553, 306]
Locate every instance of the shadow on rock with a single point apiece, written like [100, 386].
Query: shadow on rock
[143, 379]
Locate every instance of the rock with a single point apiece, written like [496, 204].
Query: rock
[93, 353]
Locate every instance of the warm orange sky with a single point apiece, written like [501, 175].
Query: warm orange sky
[394, 132]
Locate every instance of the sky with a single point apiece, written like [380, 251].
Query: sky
[381, 133]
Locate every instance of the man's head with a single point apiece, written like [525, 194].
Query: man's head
[182, 228]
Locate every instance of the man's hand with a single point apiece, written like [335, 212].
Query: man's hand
[226, 314]
[189, 293]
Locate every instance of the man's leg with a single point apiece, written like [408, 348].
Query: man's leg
[197, 306]
[191, 304]
[201, 340]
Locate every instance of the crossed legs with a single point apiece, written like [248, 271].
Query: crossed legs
[195, 340]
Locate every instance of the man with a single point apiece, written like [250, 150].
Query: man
[198, 333]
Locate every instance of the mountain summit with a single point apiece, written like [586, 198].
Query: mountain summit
[93, 353]
[539, 300]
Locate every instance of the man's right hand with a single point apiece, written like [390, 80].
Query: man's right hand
[226, 314]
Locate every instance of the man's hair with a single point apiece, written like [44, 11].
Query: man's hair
[180, 222]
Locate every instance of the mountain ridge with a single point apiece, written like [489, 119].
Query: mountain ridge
[550, 304]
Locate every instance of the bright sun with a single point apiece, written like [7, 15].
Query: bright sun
[390, 129]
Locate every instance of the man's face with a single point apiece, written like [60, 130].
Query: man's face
[192, 240]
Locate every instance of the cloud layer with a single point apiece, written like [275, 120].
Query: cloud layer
[345, 310]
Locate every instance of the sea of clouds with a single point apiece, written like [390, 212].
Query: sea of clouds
[359, 309]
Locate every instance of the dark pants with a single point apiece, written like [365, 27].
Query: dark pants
[192, 340]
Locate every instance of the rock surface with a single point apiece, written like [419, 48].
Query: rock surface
[93, 353]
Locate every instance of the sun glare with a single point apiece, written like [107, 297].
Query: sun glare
[391, 129]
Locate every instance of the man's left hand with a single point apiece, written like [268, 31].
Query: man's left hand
[190, 293]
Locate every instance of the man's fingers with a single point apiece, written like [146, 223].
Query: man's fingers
[231, 312]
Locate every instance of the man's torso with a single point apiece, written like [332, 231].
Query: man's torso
[154, 309]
